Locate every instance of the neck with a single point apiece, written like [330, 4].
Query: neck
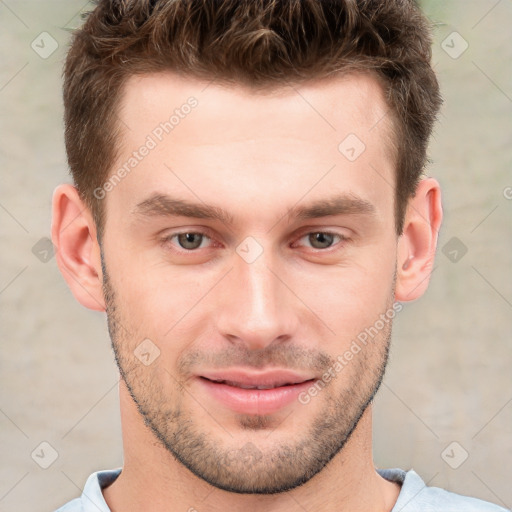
[152, 480]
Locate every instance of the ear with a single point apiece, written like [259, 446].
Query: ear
[418, 242]
[78, 251]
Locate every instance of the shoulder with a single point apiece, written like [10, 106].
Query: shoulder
[92, 499]
[416, 496]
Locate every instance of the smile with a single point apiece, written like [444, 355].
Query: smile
[263, 393]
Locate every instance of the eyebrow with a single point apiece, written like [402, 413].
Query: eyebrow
[163, 205]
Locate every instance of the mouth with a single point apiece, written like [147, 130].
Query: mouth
[255, 393]
[241, 385]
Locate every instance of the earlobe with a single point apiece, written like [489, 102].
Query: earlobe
[78, 251]
[418, 242]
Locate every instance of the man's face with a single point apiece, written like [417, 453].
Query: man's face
[272, 294]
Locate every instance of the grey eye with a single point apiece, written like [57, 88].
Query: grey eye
[190, 240]
[321, 240]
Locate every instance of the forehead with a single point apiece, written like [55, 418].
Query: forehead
[342, 102]
[235, 144]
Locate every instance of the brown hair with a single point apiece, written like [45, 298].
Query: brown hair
[259, 43]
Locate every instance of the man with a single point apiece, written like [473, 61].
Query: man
[249, 210]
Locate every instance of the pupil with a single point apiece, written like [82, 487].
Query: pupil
[324, 239]
[187, 240]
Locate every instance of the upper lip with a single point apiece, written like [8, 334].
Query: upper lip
[264, 379]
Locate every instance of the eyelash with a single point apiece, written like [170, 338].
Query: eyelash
[167, 240]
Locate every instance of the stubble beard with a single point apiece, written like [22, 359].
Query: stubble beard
[247, 467]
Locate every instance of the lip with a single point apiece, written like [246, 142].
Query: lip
[284, 387]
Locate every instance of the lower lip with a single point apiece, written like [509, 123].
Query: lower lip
[254, 401]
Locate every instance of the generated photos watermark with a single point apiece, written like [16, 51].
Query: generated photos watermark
[151, 142]
[344, 359]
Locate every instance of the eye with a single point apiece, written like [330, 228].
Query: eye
[322, 239]
[189, 240]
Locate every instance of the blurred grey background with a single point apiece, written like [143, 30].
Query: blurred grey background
[445, 408]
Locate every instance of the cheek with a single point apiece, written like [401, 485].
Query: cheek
[354, 297]
[152, 307]
[158, 301]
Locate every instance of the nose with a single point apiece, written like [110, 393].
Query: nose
[256, 308]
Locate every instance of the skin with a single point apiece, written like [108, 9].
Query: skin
[295, 306]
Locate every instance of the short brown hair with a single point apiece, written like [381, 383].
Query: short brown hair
[259, 43]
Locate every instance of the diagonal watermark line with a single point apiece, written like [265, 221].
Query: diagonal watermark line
[81, 491]
[299, 504]
[485, 218]
[410, 409]
[183, 316]
[489, 489]
[492, 81]
[73, 219]
[13, 279]
[208, 84]
[390, 184]
[492, 286]
[123, 122]
[280, 423]
[5, 495]
[312, 106]
[302, 197]
[301, 300]
[13, 217]
[91, 408]
[499, 411]
[192, 192]
[182, 387]
[13, 422]
[14, 76]
[210, 491]
[379, 120]
[424, 279]
[77, 13]
[486, 14]
[13, 13]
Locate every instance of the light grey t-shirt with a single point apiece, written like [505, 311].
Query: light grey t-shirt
[415, 496]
